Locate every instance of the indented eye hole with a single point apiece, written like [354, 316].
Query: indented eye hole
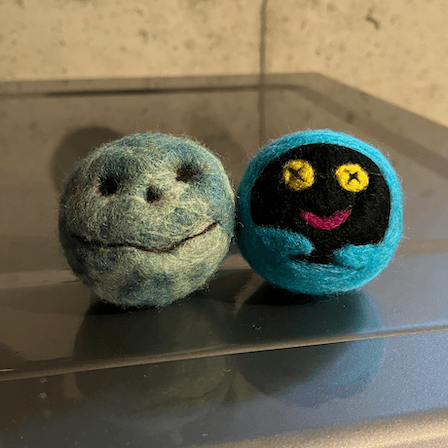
[298, 174]
[352, 177]
[187, 173]
[153, 195]
[109, 185]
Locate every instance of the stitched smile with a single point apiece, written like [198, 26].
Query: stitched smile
[164, 250]
[327, 223]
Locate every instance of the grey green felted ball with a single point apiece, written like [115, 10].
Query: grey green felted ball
[146, 219]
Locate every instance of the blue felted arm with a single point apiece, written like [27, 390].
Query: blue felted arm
[285, 243]
[359, 257]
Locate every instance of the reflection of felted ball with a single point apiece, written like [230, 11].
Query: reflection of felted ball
[146, 219]
[310, 375]
[153, 387]
[154, 400]
[319, 212]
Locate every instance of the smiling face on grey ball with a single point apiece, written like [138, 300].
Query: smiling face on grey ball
[150, 212]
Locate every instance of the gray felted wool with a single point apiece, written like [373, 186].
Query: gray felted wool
[146, 219]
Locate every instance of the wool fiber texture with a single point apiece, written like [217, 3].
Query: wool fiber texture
[146, 219]
[319, 212]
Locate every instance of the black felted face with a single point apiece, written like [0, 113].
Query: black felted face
[331, 194]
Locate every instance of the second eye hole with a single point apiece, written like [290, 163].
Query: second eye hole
[109, 185]
[188, 173]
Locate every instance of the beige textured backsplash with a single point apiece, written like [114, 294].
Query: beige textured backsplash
[84, 39]
[394, 49]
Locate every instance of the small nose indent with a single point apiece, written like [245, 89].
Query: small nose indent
[153, 195]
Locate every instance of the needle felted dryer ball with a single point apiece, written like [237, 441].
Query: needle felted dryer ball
[146, 220]
[319, 212]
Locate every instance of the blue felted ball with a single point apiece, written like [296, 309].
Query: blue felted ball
[319, 212]
[146, 219]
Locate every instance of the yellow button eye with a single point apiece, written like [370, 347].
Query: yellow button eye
[352, 177]
[298, 174]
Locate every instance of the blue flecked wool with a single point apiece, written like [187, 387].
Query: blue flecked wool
[268, 249]
[146, 220]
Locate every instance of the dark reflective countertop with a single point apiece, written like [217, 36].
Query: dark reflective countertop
[390, 390]
[239, 359]
[237, 313]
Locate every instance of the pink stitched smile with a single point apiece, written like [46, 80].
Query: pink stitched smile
[331, 222]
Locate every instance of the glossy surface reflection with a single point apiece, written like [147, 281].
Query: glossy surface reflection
[309, 376]
[275, 313]
[93, 413]
[239, 359]
[109, 332]
[238, 312]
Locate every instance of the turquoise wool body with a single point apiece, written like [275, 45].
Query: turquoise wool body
[283, 256]
[146, 219]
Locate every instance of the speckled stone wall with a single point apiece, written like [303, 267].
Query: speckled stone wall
[393, 49]
[82, 39]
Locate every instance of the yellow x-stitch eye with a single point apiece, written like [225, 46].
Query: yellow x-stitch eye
[298, 174]
[352, 177]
